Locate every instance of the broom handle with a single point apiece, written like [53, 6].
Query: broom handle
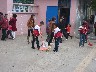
[87, 39]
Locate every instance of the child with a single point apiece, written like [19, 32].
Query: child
[36, 33]
[4, 25]
[82, 31]
[68, 31]
[12, 22]
[10, 31]
[57, 36]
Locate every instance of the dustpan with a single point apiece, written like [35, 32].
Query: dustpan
[89, 43]
[44, 46]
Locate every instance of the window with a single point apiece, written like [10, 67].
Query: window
[23, 6]
[24, 1]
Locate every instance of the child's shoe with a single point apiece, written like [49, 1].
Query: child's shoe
[66, 39]
[55, 50]
[71, 37]
[81, 46]
[85, 41]
[33, 47]
[13, 38]
[38, 47]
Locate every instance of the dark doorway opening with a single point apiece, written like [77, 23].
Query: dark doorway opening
[66, 13]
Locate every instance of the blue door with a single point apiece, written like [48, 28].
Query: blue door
[52, 11]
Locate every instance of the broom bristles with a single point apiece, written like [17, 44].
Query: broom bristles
[90, 44]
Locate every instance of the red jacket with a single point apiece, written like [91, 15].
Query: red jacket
[4, 23]
[36, 32]
[83, 30]
[68, 29]
[58, 34]
[1, 22]
[9, 27]
[13, 24]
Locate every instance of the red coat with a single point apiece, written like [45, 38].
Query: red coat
[4, 23]
[68, 29]
[83, 30]
[13, 24]
[36, 32]
[9, 27]
[1, 22]
[58, 34]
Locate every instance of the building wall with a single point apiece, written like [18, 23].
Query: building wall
[23, 18]
[42, 10]
[41, 16]
[3, 6]
[73, 16]
[9, 8]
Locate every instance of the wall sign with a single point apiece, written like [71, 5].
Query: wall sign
[22, 8]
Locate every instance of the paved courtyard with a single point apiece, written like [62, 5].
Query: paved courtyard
[18, 56]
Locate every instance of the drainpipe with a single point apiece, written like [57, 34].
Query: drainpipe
[86, 11]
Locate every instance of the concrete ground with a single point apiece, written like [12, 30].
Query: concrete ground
[18, 56]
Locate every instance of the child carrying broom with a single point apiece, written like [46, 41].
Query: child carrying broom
[36, 33]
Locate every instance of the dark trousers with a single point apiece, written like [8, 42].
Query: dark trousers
[51, 37]
[57, 40]
[95, 31]
[35, 38]
[30, 31]
[64, 33]
[9, 32]
[68, 34]
[3, 34]
[48, 37]
[86, 38]
[82, 40]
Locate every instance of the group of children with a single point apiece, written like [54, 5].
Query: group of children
[54, 32]
[8, 27]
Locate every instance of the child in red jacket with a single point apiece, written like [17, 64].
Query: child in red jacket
[68, 31]
[4, 25]
[36, 33]
[83, 31]
[57, 37]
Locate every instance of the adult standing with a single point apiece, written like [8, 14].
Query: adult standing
[62, 26]
[12, 22]
[30, 25]
[95, 28]
[51, 29]
[4, 25]
[92, 19]
[95, 24]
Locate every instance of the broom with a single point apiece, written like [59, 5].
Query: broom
[89, 43]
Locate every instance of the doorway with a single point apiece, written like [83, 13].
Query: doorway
[52, 11]
[66, 13]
